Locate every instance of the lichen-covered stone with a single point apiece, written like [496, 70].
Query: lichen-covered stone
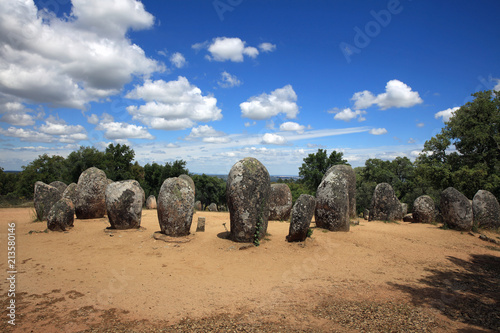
[348, 173]
[366, 214]
[332, 202]
[424, 209]
[248, 193]
[456, 209]
[70, 192]
[280, 203]
[200, 227]
[190, 182]
[212, 207]
[302, 213]
[59, 185]
[90, 200]
[486, 210]
[198, 206]
[404, 208]
[385, 206]
[61, 216]
[151, 202]
[124, 200]
[45, 197]
[175, 207]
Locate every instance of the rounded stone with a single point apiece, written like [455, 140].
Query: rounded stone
[332, 203]
[151, 202]
[45, 197]
[348, 173]
[302, 213]
[424, 209]
[90, 200]
[59, 185]
[486, 210]
[124, 200]
[212, 207]
[280, 204]
[61, 216]
[385, 206]
[248, 191]
[190, 182]
[175, 207]
[456, 210]
[70, 192]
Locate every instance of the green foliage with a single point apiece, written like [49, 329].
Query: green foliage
[316, 165]
[155, 174]
[209, 189]
[45, 168]
[118, 162]
[309, 232]
[82, 159]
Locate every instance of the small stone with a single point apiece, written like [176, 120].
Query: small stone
[151, 202]
[212, 207]
[424, 209]
[61, 216]
[280, 203]
[385, 206]
[456, 210]
[302, 213]
[486, 210]
[201, 225]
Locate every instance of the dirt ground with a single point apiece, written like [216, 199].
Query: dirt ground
[378, 277]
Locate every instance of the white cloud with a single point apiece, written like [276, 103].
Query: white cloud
[212, 139]
[273, 139]
[233, 49]
[497, 87]
[71, 61]
[228, 81]
[27, 135]
[412, 140]
[172, 105]
[377, 131]
[204, 131]
[119, 131]
[347, 115]
[15, 113]
[267, 47]
[396, 95]
[446, 114]
[265, 106]
[420, 125]
[178, 60]
[249, 124]
[291, 126]
[93, 119]
[54, 127]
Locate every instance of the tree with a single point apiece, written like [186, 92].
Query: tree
[45, 169]
[155, 174]
[82, 159]
[118, 162]
[210, 189]
[315, 166]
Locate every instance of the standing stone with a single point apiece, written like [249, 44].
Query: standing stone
[175, 207]
[348, 173]
[385, 206]
[302, 213]
[124, 200]
[456, 209]
[70, 192]
[280, 204]
[404, 208]
[190, 181]
[91, 194]
[424, 209]
[61, 216]
[198, 206]
[486, 210]
[151, 202]
[366, 214]
[59, 185]
[212, 207]
[332, 202]
[200, 227]
[45, 197]
[248, 193]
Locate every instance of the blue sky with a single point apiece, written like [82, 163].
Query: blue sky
[211, 82]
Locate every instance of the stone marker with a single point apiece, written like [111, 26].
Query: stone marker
[175, 207]
[61, 216]
[198, 206]
[201, 225]
[212, 207]
[151, 202]
[45, 197]
[332, 202]
[424, 209]
[456, 209]
[91, 194]
[486, 210]
[59, 185]
[302, 213]
[124, 200]
[385, 206]
[190, 181]
[70, 192]
[248, 192]
[280, 203]
[348, 173]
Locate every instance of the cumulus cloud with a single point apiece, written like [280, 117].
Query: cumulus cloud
[208, 134]
[93, 119]
[267, 47]
[55, 126]
[121, 131]
[27, 134]
[377, 131]
[497, 87]
[172, 105]
[420, 125]
[347, 115]
[291, 126]
[17, 114]
[446, 114]
[231, 49]
[178, 60]
[228, 81]
[71, 61]
[273, 139]
[397, 95]
[265, 106]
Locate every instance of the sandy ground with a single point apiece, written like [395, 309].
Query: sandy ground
[378, 277]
